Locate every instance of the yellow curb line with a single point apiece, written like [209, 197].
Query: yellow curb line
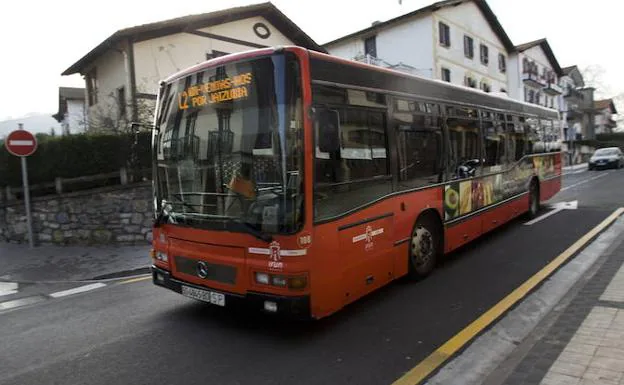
[136, 279]
[458, 341]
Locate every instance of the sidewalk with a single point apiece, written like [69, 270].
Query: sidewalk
[584, 343]
[574, 167]
[19, 263]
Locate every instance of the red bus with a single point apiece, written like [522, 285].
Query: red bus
[298, 182]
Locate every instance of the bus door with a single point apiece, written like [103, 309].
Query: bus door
[352, 171]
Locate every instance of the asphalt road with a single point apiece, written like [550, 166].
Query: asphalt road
[137, 333]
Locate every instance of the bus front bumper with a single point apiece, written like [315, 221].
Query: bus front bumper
[296, 306]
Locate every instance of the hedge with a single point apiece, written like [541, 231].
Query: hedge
[75, 156]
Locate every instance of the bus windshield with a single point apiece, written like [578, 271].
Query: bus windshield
[229, 147]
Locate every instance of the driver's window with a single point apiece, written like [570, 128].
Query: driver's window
[464, 150]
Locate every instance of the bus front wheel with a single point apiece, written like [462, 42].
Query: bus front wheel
[424, 247]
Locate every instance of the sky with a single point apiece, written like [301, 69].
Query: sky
[42, 38]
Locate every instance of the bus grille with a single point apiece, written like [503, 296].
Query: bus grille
[216, 272]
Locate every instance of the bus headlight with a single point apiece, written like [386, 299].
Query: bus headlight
[295, 282]
[262, 278]
[278, 280]
[162, 256]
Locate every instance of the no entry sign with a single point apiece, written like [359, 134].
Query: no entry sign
[21, 143]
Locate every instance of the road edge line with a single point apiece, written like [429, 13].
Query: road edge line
[137, 279]
[442, 354]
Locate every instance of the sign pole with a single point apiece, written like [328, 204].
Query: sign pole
[23, 143]
[27, 201]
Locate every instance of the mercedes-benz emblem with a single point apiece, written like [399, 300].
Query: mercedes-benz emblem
[202, 269]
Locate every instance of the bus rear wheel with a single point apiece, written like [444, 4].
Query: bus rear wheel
[424, 248]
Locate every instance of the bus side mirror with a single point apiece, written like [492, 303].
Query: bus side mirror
[328, 130]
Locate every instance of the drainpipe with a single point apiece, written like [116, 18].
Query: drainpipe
[128, 53]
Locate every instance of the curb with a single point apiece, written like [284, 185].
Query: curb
[574, 167]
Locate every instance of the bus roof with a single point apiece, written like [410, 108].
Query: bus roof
[460, 94]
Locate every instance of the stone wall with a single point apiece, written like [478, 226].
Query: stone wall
[119, 214]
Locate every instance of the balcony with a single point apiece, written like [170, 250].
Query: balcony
[368, 59]
[553, 89]
[533, 79]
[572, 93]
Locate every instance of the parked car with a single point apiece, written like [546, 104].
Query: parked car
[608, 157]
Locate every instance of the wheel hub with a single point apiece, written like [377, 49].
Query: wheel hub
[422, 246]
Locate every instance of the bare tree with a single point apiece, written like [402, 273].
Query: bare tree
[114, 116]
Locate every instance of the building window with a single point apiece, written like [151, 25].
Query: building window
[215, 54]
[485, 54]
[92, 86]
[470, 82]
[538, 97]
[503, 90]
[530, 96]
[446, 74]
[485, 87]
[468, 47]
[502, 63]
[121, 102]
[445, 34]
[370, 46]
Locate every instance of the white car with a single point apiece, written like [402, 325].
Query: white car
[608, 157]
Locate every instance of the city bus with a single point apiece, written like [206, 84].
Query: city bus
[296, 182]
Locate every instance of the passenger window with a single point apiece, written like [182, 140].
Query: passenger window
[464, 152]
[356, 173]
[495, 140]
[533, 136]
[419, 144]
[519, 135]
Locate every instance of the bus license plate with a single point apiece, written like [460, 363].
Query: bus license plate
[204, 295]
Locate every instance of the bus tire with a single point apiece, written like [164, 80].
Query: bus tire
[534, 199]
[425, 247]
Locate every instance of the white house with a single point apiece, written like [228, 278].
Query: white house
[604, 118]
[123, 72]
[71, 110]
[534, 74]
[460, 41]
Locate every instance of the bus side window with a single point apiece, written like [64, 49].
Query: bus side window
[465, 149]
[357, 172]
[419, 144]
[520, 137]
[494, 140]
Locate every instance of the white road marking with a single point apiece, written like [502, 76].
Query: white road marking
[584, 181]
[76, 290]
[573, 205]
[8, 288]
[21, 143]
[20, 302]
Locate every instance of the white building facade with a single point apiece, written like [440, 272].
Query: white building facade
[604, 121]
[123, 72]
[457, 41]
[72, 109]
[534, 74]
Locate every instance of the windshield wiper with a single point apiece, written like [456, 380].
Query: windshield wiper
[249, 229]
